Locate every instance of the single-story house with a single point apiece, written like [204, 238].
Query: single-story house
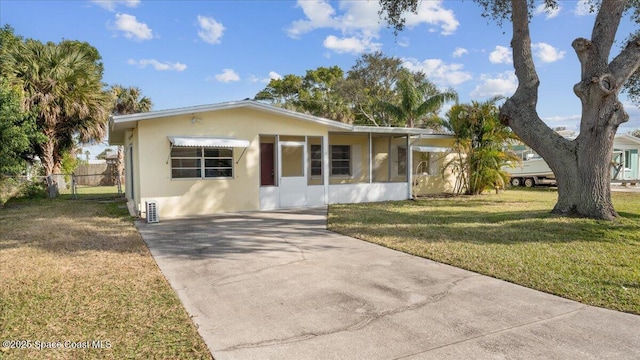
[247, 155]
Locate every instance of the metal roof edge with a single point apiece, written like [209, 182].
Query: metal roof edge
[120, 121]
[252, 104]
[627, 137]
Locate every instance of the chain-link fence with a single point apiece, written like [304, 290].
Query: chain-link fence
[89, 181]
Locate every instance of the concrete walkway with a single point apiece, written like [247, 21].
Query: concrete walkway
[278, 285]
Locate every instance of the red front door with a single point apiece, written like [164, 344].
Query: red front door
[267, 162]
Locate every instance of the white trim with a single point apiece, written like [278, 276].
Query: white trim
[211, 142]
[426, 149]
[364, 192]
[292, 143]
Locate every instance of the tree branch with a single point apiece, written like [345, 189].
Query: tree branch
[605, 28]
[626, 63]
[521, 45]
[519, 111]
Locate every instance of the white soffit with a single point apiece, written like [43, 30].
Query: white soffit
[214, 142]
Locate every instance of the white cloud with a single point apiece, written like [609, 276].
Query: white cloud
[583, 8]
[504, 84]
[571, 122]
[550, 13]
[351, 45]
[274, 75]
[112, 4]
[445, 75]
[432, 13]
[547, 53]
[210, 30]
[157, 65]
[501, 55]
[227, 75]
[131, 28]
[359, 23]
[458, 52]
[319, 14]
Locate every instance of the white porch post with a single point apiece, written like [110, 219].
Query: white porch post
[409, 168]
[370, 160]
[325, 167]
[278, 161]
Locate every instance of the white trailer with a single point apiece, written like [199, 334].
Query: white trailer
[532, 171]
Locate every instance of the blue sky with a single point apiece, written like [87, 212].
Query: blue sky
[183, 53]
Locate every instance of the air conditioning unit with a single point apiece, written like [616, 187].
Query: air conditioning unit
[152, 211]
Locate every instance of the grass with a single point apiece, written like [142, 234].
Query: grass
[513, 236]
[77, 270]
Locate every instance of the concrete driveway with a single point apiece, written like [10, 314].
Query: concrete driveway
[278, 285]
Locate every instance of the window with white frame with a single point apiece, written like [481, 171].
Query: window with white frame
[340, 160]
[201, 162]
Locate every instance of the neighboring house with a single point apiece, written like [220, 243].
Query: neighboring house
[626, 163]
[246, 155]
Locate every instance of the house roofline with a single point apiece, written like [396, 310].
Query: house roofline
[128, 121]
[629, 137]
[119, 123]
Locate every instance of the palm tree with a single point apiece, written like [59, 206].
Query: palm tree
[127, 100]
[419, 102]
[481, 143]
[62, 85]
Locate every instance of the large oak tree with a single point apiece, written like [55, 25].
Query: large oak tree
[582, 165]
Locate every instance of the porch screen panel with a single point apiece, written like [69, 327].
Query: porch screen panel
[292, 161]
[315, 171]
[341, 160]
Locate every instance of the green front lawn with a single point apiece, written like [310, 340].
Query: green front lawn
[513, 236]
[77, 271]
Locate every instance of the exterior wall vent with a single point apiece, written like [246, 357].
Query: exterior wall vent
[152, 211]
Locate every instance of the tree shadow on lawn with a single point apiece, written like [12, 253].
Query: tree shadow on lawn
[504, 227]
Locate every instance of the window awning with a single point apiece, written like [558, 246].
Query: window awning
[214, 142]
[427, 149]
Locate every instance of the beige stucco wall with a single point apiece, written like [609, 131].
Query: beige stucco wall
[430, 179]
[184, 197]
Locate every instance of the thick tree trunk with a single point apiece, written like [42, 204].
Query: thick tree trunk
[581, 166]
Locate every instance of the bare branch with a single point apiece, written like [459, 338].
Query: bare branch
[521, 45]
[606, 26]
[626, 63]
[584, 51]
